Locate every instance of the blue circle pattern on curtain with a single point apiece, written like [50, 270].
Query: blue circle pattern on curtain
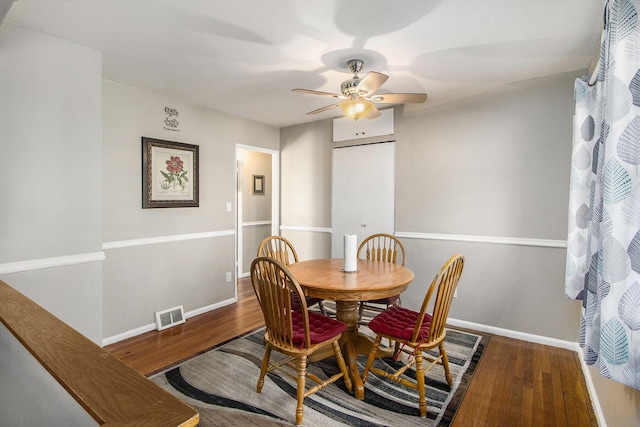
[603, 251]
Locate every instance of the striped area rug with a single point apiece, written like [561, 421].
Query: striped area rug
[221, 385]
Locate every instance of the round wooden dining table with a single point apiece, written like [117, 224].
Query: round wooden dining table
[325, 278]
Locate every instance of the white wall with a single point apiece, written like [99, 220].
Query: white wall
[51, 192]
[159, 258]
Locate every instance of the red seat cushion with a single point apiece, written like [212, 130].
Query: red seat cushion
[321, 328]
[399, 322]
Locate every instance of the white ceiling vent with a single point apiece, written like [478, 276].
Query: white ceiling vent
[169, 317]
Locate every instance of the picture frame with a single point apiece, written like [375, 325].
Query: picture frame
[258, 184]
[169, 174]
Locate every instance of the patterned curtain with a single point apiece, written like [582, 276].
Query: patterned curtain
[603, 256]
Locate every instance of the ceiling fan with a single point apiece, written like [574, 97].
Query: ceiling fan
[358, 94]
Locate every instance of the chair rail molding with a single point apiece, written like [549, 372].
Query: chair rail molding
[518, 241]
[306, 228]
[42, 263]
[165, 239]
[256, 223]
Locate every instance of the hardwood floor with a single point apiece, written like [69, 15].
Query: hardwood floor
[155, 351]
[517, 383]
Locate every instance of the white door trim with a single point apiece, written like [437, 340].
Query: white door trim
[275, 198]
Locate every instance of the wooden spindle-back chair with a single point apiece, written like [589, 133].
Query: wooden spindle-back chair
[277, 247]
[419, 331]
[384, 248]
[288, 332]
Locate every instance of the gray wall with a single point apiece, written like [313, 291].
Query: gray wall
[305, 187]
[498, 166]
[493, 166]
[191, 249]
[51, 192]
[75, 238]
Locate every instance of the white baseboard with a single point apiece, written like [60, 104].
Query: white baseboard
[152, 326]
[538, 339]
[209, 308]
[129, 334]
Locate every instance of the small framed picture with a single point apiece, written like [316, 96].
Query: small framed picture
[169, 174]
[258, 184]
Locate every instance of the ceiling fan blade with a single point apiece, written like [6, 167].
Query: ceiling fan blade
[371, 83]
[374, 113]
[399, 98]
[317, 92]
[320, 110]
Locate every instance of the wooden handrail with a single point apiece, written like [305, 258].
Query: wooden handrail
[110, 391]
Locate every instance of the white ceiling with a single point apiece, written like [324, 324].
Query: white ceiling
[243, 57]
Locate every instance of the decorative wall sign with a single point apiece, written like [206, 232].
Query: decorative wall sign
[169, 174]
[258, 184]
[171, 121]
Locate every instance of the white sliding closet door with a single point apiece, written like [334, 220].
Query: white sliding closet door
[363, 192]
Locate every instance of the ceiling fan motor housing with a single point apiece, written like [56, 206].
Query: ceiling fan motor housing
[350, 87]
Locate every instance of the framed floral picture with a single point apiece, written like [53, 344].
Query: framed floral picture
[169, 174]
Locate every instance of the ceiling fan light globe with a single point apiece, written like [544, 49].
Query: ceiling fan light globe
[356, 108]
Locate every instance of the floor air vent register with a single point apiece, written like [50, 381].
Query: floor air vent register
[170, 317]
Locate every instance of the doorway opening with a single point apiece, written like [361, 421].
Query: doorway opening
[257, 201]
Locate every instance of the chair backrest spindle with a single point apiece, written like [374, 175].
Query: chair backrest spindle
[444, 285]
[273, 285]
[279, 248]
[382, 247]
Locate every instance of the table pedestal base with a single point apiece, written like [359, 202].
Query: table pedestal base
[352, 343]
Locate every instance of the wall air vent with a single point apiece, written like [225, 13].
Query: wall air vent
[169, 317]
